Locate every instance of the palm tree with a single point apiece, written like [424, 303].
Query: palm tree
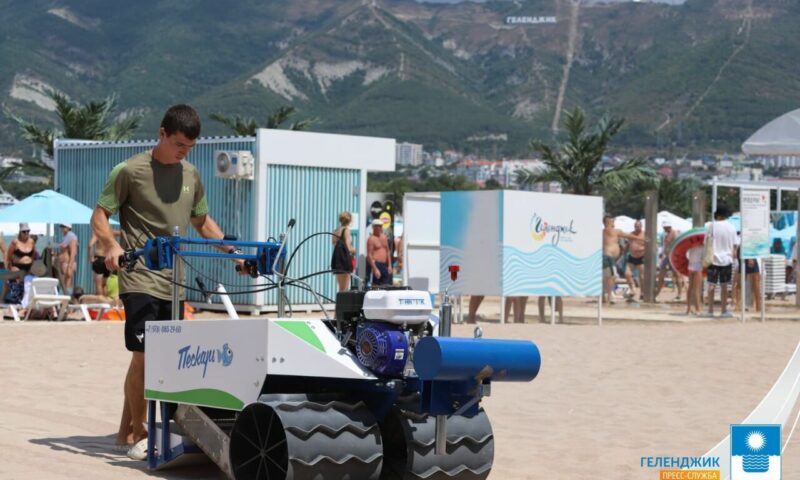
[90, 121]
[247, 126]
[578, 164]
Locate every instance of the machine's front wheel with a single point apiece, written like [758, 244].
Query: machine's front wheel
[302, 439]
[258, 448]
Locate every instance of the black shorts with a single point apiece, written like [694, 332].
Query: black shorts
[635, 261]
[748, 269]
[99, 266]
[140, 308]
[721, 275]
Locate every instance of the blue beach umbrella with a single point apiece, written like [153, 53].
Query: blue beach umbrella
[48, 206]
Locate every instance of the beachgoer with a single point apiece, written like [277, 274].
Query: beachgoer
[96, 256]
[670, 234]
[635, 260]
[720, 271]
[343, 251]
[752, 274]
[693, 293]
[611, 252]
[153, 192]
[22, 250]
[378, 255]
[67, 257]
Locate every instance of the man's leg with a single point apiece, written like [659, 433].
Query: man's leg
[519, 309]
[474, 303]
[629, 279]
[678, 280]
[507, 307]
[134, 390]
[560, 309]
[662, 273]
[541, 309]
[125, 432]
[640, 269]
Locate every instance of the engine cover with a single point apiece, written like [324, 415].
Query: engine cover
[411, 307]
[382, 348]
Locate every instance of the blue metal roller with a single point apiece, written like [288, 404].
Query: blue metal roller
[454, 359]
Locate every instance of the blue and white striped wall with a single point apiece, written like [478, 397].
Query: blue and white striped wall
[310, 177]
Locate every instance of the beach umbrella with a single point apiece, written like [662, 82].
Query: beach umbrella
[48, 206]
[780, 136]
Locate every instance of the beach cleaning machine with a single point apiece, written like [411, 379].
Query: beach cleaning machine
[379, 391]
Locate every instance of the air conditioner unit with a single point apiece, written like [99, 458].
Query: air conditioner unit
[234, 164]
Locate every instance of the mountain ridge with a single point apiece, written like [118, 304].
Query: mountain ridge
[702, 75]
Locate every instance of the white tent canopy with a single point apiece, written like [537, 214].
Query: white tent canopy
[781, 136]
[625, 223]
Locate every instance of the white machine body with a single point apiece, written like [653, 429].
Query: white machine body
[224, 363]
[397, 306]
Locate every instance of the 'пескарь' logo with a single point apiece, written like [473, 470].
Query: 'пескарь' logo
[540, 228]
[202, 357]
[755, 452]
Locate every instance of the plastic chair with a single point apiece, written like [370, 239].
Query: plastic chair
[44, 294]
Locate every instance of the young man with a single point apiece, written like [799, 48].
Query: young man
[378, 259]
[611, 253]
[724, 240]
[67, 257]
[153, 192]
[97, 259]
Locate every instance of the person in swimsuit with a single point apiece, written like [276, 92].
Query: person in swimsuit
[343, 251]
[96, 255]
[67, 257]
[636, 251]
[22, 251]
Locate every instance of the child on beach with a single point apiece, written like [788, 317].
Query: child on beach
[695, 257]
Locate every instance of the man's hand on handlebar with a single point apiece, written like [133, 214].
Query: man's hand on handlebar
[113, 257]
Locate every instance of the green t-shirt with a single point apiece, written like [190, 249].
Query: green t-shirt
[151, 198]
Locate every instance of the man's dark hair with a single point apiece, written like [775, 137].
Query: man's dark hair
[181, 118]
[722, 213]
[606, 217]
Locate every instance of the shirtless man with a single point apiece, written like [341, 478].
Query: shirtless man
[636, 252]
[67, 257]
[97, 259]
[378, 255]
[670, 234]
[611, 253]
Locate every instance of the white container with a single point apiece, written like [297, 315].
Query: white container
[397, 306]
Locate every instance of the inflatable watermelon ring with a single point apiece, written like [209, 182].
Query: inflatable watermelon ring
[681, 245]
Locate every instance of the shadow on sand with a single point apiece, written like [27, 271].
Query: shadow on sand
[102, 448]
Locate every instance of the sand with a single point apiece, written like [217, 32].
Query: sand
[605, 397]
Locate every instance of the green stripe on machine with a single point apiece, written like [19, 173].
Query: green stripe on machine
[200, 396]
[302, 331]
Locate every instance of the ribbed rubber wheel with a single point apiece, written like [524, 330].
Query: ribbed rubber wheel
[409, 441]
[258, 447]
[306, 440]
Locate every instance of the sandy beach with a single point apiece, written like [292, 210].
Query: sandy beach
[605, 397]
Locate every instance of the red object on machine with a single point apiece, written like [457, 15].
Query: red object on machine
[453, 269]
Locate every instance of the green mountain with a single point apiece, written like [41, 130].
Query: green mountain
[702, 75]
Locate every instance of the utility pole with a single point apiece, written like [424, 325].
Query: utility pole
[651, 246]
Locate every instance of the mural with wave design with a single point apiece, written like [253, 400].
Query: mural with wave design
[476, 274]
[551, 271]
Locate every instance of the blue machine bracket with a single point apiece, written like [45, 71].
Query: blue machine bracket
[159, 252]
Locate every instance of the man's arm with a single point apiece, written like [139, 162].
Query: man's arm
[102, 229]
[388, 254]
[208, 228]
[90, 247]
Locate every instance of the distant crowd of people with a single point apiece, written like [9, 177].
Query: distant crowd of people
[23, 261]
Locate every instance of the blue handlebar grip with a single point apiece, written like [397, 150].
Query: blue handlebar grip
[453, 359]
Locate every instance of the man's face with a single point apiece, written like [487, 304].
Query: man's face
[175, 146]
[609, 223]
[637, 227]
[667, 229]
[377, 230]
[64, 230]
